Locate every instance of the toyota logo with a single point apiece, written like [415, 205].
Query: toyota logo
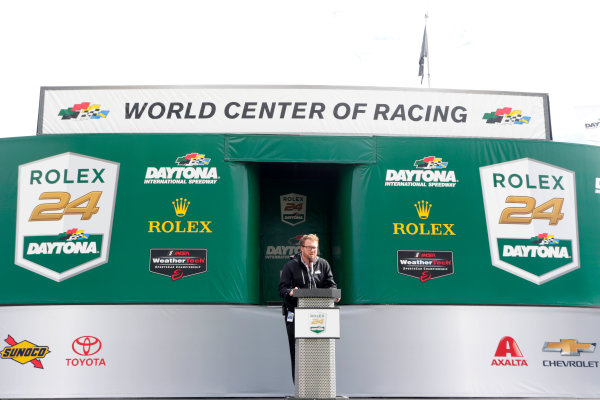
[86, 345]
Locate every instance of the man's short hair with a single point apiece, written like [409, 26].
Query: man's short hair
[310, 236]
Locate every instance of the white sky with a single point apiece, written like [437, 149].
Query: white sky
[527, 46]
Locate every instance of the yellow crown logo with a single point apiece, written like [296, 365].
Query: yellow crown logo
[181, 205]
[423, 207]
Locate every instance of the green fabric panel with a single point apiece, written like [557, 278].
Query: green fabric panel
[294, 148]
[230, 204]
[370, 273]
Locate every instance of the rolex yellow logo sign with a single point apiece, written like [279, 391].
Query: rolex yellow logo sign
[192, 225]
[181, 206]
[423, 208]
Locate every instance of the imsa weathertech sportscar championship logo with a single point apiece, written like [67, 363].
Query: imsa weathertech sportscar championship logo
[425, 264]
[531, 216]
[64, 214]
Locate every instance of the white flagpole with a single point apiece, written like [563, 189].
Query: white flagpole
[428, 70]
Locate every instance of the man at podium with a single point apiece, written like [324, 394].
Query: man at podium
[304, 271]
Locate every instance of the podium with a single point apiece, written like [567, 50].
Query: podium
[317, 327]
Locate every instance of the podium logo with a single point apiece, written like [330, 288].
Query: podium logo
[192, 169]
[24, 352]
[180, 206]
[293, 208]
[430, 172]
[529, 205]
[68, 193]
[317, 322]
[508, 354]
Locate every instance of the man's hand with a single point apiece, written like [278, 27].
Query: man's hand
[292, 291]
[338, 299]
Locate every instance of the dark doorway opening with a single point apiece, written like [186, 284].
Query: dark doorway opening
[295, 199]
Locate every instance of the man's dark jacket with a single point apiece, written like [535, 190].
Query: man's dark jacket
[295, 274]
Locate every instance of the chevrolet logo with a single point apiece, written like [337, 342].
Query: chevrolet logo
[569, 347]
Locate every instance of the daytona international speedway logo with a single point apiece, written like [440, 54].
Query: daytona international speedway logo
[81, 111]
[191, 169]
[429, 171]
[531, 215]
[65, 210]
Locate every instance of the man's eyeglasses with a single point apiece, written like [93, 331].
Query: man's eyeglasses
[311, 247]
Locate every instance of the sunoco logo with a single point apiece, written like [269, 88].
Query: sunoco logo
[430, 172]
[24, 352]
[71, 194]
[531, 216]
[191, 169]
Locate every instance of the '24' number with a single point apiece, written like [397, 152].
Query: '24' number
[531, 212]
[43, 212]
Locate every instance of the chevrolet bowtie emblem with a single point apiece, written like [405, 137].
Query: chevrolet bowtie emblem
[569, 347]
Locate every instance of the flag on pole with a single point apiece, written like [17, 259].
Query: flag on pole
[424, 53]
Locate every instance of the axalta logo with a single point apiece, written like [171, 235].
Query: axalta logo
[506, 116]
[191, 170]
[431, 172]
[180, 207]
[570, 348]
[423, 209]
[24, 352]
[68, 193]
[82, 111]
[508, 354]
[523, 198]
[85, 348]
